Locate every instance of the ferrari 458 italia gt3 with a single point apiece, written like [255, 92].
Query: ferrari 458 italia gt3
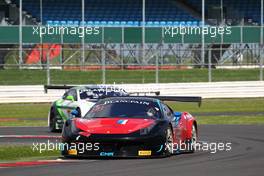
[135, 126]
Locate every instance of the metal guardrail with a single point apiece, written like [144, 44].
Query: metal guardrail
[21, 94]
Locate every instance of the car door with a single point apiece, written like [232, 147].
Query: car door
[176, 125]
[70, 102]
[85, 102]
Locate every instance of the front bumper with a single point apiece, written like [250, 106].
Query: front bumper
[114, 146]
[59, 123]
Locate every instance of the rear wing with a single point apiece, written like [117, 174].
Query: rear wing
[194, 99]
[65, 87]
[144, 93]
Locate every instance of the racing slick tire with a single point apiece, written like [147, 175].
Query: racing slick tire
[192, 142]
[52, 122]
[169, 142]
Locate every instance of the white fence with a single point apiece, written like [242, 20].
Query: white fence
[35, 93]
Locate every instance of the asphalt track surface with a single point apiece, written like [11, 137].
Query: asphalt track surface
[195, 114]
[25, 131]
[245, 159]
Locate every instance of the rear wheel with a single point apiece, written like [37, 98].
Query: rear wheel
[169, 142]
[193, 140]
[52, 122]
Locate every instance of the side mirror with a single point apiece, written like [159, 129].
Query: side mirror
[70, 98]
[177, 116]
[75, 113]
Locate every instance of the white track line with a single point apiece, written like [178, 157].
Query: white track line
[23, 126]
[30, 136]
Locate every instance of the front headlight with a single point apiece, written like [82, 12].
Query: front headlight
[146, 131]
[74, 129]
[69, 131]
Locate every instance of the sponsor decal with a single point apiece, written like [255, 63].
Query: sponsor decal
[160, 149]
[122, 122]
[144, 152]
[106, 153]
[127, 101]
[72, 152]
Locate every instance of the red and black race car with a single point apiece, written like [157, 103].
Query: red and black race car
[134, 126]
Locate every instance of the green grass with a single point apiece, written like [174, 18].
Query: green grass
[14, 112]
[25, 153]
[222, 105]
[238, 120]
[20, 114]
[31, 110]
[25, 110]
[33, 77]
[35, 123]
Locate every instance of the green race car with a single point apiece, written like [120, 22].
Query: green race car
[80, 99]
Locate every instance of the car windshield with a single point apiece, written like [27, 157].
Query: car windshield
[125, 109]
[98, 93]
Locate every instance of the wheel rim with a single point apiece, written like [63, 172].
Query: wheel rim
[194, 136]
[51, 125]
[169, 141]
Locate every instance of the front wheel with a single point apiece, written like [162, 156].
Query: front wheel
[169, 142]
[52, 122]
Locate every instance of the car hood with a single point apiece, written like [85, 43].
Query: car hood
[112, 125]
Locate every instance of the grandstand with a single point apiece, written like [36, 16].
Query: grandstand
[125, 42]
[108, 12]
[129, 12]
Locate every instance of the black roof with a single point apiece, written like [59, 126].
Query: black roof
[139, 98]
[99, 87]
